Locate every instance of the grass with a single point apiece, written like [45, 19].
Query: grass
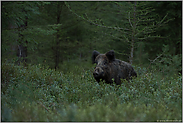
[37, 93]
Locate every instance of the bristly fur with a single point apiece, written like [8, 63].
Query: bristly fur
[108, 68]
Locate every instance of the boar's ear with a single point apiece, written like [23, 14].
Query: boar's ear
[110, 55]
[94, 55]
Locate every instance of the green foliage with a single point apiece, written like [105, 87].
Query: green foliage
[37, 93]
[64, 34]
[85, 26]
[168, 63]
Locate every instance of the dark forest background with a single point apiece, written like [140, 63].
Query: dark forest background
[60, 34]
[46, 67]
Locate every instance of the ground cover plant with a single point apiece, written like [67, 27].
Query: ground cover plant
[37, 93]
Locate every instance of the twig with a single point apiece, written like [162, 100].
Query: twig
[156, 58]
[116, 37]
[122, 53]
[129, 20]
[44, 106]
[152, 61]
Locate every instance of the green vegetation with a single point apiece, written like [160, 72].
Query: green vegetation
[55, 33]
[37, 93]
[46, 68]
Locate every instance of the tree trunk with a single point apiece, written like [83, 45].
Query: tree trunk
[22, 47]
[59, 9]
[133, 33]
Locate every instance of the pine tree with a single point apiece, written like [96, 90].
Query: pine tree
[136, 24]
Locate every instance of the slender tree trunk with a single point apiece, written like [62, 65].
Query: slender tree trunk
[22, 46]
[59, 9]
[133, 33]
[131, 52]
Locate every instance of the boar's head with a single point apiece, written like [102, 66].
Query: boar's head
[102, 70]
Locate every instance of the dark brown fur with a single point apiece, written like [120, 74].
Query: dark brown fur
[108, 68]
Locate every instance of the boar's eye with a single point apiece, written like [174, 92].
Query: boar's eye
[105, 62]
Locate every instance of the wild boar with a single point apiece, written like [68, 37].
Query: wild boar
[110, 69]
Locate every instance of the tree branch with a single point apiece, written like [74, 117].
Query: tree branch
[90, 21]
[152, 61]
[129, 20]
[43, 106]
[150, 37]
[117, 37]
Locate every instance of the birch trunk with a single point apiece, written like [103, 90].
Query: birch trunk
[133, 33]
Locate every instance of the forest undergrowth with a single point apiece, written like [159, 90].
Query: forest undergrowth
[37, 93]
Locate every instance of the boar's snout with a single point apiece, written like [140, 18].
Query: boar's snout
[98, 72]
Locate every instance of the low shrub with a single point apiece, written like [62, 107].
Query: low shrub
[37, 93]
